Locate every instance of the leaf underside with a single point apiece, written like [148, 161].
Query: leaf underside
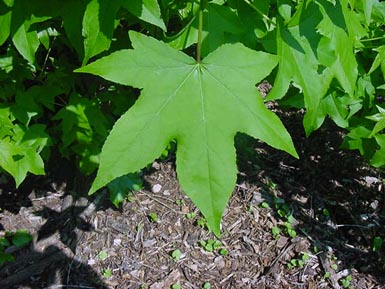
[200, 105]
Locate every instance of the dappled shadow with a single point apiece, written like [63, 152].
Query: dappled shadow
[57, 220]
[52, 266]
[336, 197]
[65, 223]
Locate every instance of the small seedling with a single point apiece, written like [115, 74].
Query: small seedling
[272, 185]
[122, 188]
[223, 252]
[345, 282]
[176, 254]
[202, 222]
[103, 255]
[19, 239]
[326, 212]
[327, 275]
[210, 245]
[206, 285]
[176, 286]
[153, 217]
[107, 273]
[377, 244]
[180, 202]
[191, 215]
[264, 205]
[289, 230]
[300, 262]
[275, 231]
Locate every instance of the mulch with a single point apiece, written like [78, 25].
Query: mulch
[336, 201]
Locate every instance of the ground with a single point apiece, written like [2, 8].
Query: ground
[307, 223]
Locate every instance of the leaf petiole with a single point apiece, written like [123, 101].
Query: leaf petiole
[200, 28]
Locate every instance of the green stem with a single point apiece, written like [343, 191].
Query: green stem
[200, 28]
[264, 16]
[373, 39]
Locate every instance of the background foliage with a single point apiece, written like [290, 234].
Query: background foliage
[330, 53]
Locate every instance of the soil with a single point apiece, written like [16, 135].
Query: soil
[336, 201]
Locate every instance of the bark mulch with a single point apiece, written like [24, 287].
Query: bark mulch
[333, 201]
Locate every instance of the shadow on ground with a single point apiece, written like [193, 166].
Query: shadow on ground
[57, 221]
[337, 199]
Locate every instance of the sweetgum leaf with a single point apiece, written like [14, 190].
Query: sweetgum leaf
[98, 26]
[20, 153]
[221, 24]
[99, 22]
[297, 45]
[146, 10]
[378, 159]
[315, 48]
[26, 42]
[200, 105]
[333, 26]
[5, 24]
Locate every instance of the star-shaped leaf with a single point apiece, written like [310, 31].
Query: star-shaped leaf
[200, 105]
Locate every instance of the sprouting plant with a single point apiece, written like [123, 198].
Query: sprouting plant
[202, 222]
[107, 273]
[121, 188]
[327, 275]
[176, 254]
[191, 215]
[103, 255]
[377, 244]
[176, 286]
[4, 257]
[326, 212]
[298, 262]
[206, 285]
[20, 238]
[276, 232]
[285, 213]
[180, 202]
[264, 205]
[153, 217]
[290, 230]
[213, 245]
[223, 252]
[345, 282]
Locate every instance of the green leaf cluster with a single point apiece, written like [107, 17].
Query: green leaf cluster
[110, 84]
[20, 238]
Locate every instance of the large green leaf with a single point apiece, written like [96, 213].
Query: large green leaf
[200, 105]
[315, 48]
[334, 28]
[297, 47]
[378, 159]
[23, 155]
[99, 22]
[367, 7]
[379, 60]
[72, 14]
[146, 10]
[84, 128]
[219, 22]
[5, 24]
[26, 42]
[98, 26]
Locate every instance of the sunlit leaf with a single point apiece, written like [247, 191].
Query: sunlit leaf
[200, 105]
